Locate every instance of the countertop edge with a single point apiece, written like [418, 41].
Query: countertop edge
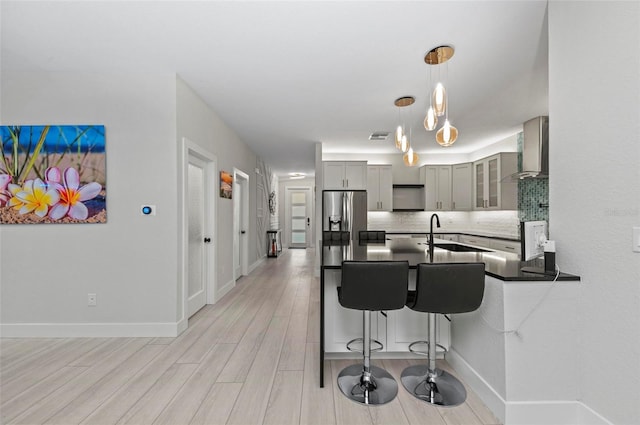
[480, 235]
[564, 277]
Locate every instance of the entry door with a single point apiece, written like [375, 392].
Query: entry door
[197, 268]
[300, 212]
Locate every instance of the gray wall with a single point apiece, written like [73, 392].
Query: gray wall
[198, 123]
[594, 104]
[131, 262]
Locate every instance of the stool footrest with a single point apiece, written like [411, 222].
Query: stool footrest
[422, 352]
[378, 346]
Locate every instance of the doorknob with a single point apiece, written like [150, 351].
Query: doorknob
[207, 240]
[243, 232]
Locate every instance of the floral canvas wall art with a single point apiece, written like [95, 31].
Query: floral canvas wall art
[52, 174]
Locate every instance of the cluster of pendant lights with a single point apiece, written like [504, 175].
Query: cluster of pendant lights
[438, 107]
[402, 141]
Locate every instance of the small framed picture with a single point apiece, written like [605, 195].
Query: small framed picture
[226, 185]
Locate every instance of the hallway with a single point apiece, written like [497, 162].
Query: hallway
[250, 359]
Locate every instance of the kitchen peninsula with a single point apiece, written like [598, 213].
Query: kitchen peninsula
[480, 340]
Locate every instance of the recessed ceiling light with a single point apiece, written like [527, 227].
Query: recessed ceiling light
[295, 176]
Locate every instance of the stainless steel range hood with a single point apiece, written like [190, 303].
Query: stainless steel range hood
[535, 150]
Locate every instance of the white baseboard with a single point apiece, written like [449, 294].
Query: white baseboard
[489, 396]
[90, 330]
[182, 326]
[255, 265]
[544, 412]
[538, 412]
[225, 289]
[588, 416]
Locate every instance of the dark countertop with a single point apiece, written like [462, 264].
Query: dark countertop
[501, 265]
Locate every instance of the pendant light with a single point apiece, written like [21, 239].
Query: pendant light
[402, 143]
[439, 99]
[447, 134]
[410, 158]
[431, 119]
[398, 137]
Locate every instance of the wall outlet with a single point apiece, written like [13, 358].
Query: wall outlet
[92, 300]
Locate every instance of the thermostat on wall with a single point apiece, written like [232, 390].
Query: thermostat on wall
[148, 210]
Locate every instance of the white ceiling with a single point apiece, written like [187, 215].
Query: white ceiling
[286, 75]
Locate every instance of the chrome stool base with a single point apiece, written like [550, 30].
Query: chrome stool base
[439, 388]
[354, 384]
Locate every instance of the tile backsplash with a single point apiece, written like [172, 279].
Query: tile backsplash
[496, 223]
[533, 194]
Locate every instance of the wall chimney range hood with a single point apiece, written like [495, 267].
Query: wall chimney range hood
[535, 149]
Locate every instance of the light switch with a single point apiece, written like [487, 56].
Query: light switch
[636, 239]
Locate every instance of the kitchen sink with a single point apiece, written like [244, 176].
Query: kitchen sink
[459, 248]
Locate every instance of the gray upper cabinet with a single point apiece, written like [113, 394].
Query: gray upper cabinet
[490, 191]
[344, 175]
[437, 187]
[462, 187]
[379, 188]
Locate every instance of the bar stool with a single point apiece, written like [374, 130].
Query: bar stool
[371, 286]
[444, 288]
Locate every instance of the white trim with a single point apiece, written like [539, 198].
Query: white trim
[544, 412]
[538, 412]
[259, 261]
[588, 416]
[182, 325]
[89, 330]
[224, 289]
[487, 394]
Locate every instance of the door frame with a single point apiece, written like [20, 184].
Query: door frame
[240, 244]
[287, 218]
[187, 149]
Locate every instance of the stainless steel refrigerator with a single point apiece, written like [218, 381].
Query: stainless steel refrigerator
[344, 213]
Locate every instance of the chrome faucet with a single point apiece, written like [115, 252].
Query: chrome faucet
[431, 235]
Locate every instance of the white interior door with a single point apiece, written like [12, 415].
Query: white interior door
[198, 181]
[240, 223]
[300, 211]
[198, 190]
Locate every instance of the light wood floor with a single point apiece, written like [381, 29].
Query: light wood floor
[250, 359]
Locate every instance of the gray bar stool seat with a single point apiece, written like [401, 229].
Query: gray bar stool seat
[371, 286]
[441, 288]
